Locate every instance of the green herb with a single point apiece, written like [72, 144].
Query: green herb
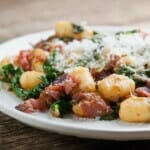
[61, 107]
[114, 115]
[127, 32]
[138, 76]
[95, 32]
[66, 39]
[77, 28]
[7, 72]
[97, 38]
[127, 71]
[49, 66]
[82, 62]
[13, 75]
[146, 72]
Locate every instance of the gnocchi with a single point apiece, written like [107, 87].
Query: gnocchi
[135, 109]
[65, 29]
[30, 79]
[115, 87]
[87, 83]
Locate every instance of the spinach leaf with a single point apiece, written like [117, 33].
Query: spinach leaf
[49, 66]
[15, 84]
[127, 32]
[77, 28]
[114, 115]
[147, 72]
[61, 107]
[7, 72]
[127, 71]
[138, 76]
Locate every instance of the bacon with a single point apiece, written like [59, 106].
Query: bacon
[143, 91]
[23, 59]
[48, 46]
[50, 94]
[107, 70]
[32, 105]
[90, 105]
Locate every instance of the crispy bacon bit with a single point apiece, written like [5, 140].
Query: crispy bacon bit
[23, 59]
[107, 70]
[143, 92]
[50, 94]
[90, 105]
[39, 55]
[48, 46]
[112, 63]
[32, 105]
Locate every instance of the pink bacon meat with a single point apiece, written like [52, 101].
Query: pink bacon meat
[65, 85]
[143, 91]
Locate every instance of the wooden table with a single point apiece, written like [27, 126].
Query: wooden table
[18, 17]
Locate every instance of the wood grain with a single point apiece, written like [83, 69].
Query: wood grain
[18, 17]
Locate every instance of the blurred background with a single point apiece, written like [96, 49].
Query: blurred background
[19, 17]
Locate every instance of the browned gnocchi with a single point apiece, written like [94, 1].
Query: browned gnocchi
[116, 87]
[86, 80]
[66, 29]
[30, 79]
[135, 109]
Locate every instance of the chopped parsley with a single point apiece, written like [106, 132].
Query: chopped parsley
[77, 28]
[127, 32]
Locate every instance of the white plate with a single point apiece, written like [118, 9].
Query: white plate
[115, 130]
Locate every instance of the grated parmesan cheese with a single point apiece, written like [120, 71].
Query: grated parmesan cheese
[135, 46]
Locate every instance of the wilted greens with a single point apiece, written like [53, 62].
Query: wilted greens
[139, 76]
[61, 107]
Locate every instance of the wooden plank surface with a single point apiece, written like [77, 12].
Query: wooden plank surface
[18, 17]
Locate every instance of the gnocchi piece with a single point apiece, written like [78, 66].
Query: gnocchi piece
[86, 80]
[135, 109]
[5, 61]
[38, 57]
[30, 79]
[115, 87]
[65, 29]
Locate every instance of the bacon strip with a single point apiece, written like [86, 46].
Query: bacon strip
[48, 46]
[50, 94]
[107, 70]
[23, 59]
[143, 91]
[90, 105]
[32, 105]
